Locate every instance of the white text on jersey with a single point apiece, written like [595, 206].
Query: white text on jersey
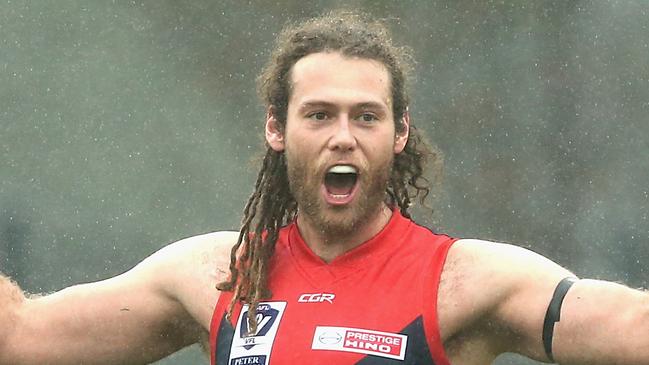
[317, 298]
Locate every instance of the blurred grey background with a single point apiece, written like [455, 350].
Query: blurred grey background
[126, 125]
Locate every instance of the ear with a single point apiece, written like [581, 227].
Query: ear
[274, 133]
[401, 136]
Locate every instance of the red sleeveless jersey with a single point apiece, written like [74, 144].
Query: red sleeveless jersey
[376, 304]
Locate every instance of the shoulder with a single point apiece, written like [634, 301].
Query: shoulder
[474, 256]
[487, 282]
[190, 254]
[209, 246]
[189, 269]
[505, 265]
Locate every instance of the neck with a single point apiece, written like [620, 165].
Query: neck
[329, 246]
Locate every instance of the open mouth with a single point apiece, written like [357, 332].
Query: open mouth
[339, 182]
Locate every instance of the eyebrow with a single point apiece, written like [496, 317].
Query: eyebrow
[315, 104]
[326, 104]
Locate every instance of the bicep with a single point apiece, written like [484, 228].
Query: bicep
[509, 289]
[529, 282]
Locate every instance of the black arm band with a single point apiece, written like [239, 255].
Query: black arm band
[553, 314]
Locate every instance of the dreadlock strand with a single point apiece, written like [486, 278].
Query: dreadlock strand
[254, 280]
[255, 290]
[242, 240]
[260, 290]
[268, 253]
[228, 314]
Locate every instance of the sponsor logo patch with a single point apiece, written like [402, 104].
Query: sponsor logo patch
[255, 348]
[383, 344]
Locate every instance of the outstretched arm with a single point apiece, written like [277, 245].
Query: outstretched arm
[600, 322]
[134, 318]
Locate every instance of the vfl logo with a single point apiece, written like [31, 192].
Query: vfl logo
[266, 317]
[316, 298]
[255, 348]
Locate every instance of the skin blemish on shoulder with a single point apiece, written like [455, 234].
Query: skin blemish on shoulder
[218, 274]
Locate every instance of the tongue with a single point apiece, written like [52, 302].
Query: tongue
[340, 184]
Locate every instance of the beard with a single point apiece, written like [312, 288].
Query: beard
[337, 221]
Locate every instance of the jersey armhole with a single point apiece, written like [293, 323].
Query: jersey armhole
[431, 317]
[219, 311]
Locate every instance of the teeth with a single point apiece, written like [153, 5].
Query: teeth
[342, 169]
[338, 196]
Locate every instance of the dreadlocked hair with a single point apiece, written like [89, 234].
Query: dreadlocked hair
[249, 257]
[272, 205]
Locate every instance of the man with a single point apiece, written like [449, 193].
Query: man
[328, 265]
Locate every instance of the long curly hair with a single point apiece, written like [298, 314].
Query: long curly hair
[272, 205]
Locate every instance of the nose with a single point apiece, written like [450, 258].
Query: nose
[343, 138]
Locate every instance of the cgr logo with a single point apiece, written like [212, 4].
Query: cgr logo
[317, 298]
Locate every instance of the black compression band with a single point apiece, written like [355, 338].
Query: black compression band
[553, 313]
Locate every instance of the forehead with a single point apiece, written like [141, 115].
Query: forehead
[336, 78]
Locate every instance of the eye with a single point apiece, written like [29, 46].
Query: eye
[368, 117]
[318, 116]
